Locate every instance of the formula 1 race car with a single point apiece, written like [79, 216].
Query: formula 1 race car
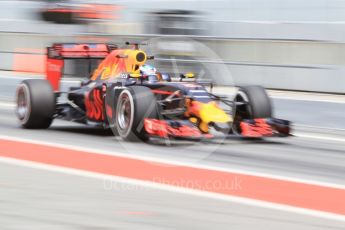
[137, 102]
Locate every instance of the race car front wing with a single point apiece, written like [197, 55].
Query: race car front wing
[254, 128]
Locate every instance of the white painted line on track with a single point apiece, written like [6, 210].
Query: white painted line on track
[7, 104]
[290, 95]
[339, 101]
[170, 188]
[295, 97]
[319, 127]
[318, 137]
[64, 80]
[174, 162]
[21, 77]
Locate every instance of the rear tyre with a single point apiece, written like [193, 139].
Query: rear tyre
[135, 103]
[35, 104]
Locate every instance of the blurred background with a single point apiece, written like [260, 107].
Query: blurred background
[280, 44]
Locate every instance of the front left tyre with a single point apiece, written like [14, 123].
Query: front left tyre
[35, 104]
[134, 104]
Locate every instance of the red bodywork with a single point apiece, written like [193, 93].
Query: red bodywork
[164, 129]
[59, 52]
[259, 128]
[54, 72]
[94, 105]
[249, 128]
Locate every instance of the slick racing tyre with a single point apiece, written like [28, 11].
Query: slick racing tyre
[35, 104]
[135, 103]
[251, 102]
[256, 101]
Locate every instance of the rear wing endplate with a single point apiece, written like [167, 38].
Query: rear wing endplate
[57, 53]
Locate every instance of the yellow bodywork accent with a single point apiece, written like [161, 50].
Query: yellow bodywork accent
[106, 73]
[193, 119]
[120, 61]
[210, 112]
[132, 64]
[137, 75]
[203, 126]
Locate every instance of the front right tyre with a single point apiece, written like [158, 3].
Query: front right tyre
[257, 103]
[252, 102]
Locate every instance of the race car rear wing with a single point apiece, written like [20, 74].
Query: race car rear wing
[57, 53]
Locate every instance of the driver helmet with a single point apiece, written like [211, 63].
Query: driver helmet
[150, 72]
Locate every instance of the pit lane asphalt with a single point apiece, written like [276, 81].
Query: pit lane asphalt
[37, 199]
[55, 201]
